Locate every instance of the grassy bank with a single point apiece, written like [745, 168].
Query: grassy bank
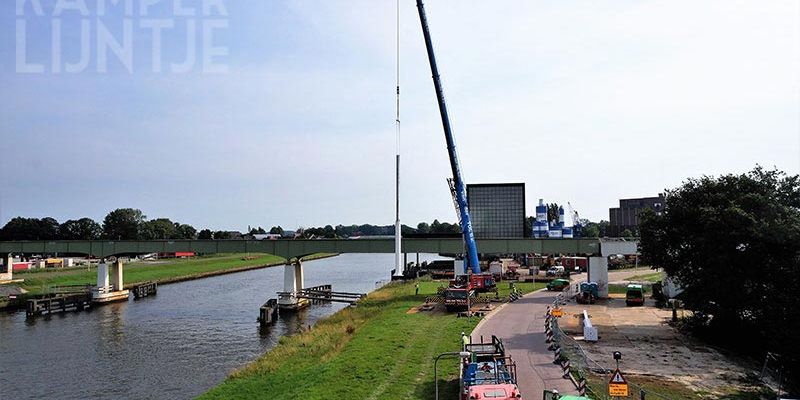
[40, 281]
[381, 349]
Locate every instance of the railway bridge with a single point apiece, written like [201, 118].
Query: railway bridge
[293, 250]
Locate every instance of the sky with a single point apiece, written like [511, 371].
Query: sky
[226, 114]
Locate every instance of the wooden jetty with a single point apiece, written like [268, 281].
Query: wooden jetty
[144, 290]
[58, 304]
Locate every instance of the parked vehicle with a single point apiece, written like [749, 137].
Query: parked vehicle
[558, 285]
[465, 287]
[489, 373]
[634, 295]
[557, 270]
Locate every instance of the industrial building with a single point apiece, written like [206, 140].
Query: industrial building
[626, 216]
[497, 209]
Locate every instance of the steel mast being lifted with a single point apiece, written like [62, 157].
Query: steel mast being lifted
[471, 259]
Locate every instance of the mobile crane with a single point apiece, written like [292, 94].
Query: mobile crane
[461, 288]
[471, 262]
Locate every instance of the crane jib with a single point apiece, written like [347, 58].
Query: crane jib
[471, 259]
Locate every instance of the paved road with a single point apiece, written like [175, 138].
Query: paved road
[521, 327]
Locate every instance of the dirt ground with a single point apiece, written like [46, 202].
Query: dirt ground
[652, 348]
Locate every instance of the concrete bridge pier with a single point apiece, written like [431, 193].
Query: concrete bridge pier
[598, 272]
[7, 270]
[109, 290]
[293, 283]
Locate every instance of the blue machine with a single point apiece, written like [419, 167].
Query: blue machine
[471, 259]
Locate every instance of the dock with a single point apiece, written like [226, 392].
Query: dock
[58, 304]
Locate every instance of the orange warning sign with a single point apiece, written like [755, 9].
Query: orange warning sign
[617, 386]
[618, 389]
[557, 312]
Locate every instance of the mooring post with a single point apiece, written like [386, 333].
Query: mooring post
[298, 273]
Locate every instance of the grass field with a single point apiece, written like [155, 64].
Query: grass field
[378, 350]
[653, 277]
[40, 281]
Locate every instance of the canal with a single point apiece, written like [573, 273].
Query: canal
[176, 345]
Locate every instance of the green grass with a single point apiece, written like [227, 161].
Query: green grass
[40, 281]
[378, 350]
[653, 277]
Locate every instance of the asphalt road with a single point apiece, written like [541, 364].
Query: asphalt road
[521, 327]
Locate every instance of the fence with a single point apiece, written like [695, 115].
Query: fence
[578, 366]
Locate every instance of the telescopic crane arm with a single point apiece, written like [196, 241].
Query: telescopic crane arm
[471, 259]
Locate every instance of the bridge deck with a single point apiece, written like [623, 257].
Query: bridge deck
[297, 248]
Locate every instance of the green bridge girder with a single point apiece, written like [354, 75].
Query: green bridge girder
[297, 248]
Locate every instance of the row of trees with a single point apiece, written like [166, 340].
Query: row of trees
[120, 224]
[132, 224]
[733, 244]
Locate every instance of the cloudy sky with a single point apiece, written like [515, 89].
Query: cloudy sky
[286, 114]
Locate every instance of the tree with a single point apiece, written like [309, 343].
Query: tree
[81, 229]
[733, 244]
[591, 230]
[160, 228]
[20, 228]
[277, 230]
[205, 234]
[627, 234]
[186, 231]
[222, 235]
[423, 227]
[123, 224]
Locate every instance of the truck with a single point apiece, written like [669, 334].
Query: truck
[488, 373]
[464, 288]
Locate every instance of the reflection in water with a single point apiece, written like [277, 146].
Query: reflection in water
[177, 344]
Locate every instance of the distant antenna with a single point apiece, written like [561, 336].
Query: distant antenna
[398, 265]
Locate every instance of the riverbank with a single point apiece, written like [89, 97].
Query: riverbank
[39, 282]
[380, 349]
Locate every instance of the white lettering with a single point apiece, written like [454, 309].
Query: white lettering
[101, 7]
[218, 4]
[86, 52]
[157, 25]
[105, 41]
[77, 5]
[209, 51]
[144, 5]
[37, 7]
[22, 62]
[180, 11]
[191, 49]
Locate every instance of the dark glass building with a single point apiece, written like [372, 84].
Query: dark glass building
[497, 210]
[626, 216]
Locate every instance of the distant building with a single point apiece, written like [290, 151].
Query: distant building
[626, 216]
[497, 210]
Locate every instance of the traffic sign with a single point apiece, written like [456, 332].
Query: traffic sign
[618, 389]
[617, 377]
[557, 312]
[617, 386]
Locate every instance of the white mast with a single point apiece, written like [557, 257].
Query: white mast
[398, 262]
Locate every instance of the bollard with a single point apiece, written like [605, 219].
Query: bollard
[566, 368]
[582, 387]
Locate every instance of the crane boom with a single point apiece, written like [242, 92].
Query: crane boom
[471, 259]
